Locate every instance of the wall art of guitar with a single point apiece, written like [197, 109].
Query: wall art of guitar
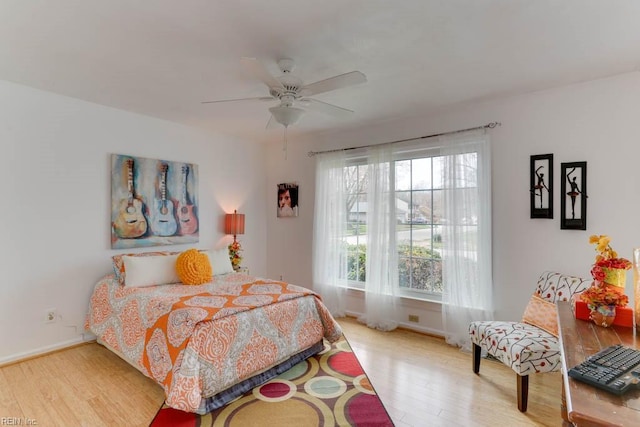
[130, 222]
[163, 221]
[187, 219]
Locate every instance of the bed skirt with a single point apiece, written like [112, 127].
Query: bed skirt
[214, 402]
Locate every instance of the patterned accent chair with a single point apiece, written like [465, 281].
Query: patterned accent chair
[523, 347]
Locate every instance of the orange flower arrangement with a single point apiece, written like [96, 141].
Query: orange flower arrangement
[234, 254]
[608, 275]
[601, 294]
[607, 258]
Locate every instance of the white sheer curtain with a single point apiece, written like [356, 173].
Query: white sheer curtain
[381, 285]
[466, 236]
[329, 251]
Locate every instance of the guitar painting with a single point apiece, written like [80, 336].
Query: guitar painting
[163, 223]
[154, 202]
[187, 219]
[130, 222]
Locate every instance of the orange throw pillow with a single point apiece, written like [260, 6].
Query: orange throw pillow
[541, 313]
[193, 267]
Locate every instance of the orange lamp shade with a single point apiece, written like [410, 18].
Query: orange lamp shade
[234, 223]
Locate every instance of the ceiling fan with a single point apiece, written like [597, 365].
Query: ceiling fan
[293, 94]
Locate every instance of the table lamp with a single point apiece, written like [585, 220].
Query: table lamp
[234, 224]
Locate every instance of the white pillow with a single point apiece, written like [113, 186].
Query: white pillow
[220, 261]
[150, 270]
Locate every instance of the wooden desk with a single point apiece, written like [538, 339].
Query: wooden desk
[582, 404]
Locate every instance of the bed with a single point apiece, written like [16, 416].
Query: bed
[207, 344]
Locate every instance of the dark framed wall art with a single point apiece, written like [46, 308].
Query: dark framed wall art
[574, 196]
[541, 186]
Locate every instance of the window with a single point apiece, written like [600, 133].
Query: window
[420, 218]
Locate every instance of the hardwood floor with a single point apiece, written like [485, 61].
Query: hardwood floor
[82, 386]
[421, 380]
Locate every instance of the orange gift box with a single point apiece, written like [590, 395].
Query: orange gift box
[624, 315]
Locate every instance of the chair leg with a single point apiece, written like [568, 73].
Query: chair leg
[523, 392]
[477, 352]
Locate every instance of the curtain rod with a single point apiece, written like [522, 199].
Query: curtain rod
[487, 126]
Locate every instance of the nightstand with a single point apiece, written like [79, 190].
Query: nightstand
[243, 270]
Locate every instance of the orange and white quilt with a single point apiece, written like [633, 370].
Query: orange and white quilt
[196, 341]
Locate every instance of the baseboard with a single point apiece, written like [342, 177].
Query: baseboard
[408, 326]
[43, 351]
[425, 331]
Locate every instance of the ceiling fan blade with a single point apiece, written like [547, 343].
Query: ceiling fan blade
[323, 107]
[261, 98]
[332, 83]
[259, 71]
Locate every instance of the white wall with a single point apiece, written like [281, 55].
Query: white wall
[54, 219]
[55, 214]
[597, 122]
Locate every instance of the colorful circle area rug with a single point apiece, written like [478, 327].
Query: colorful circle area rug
[328, 389]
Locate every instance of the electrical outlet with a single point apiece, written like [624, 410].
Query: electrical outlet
[51, 315]
[414, 318]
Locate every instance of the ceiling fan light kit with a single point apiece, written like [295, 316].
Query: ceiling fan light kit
[286, 115]
[291, 92]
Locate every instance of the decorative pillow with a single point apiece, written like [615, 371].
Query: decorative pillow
[541, 313]
[118, 263]
[150, 270]
[220, 261]
[193, 267]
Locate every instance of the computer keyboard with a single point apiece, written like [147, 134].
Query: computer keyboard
[615, 369]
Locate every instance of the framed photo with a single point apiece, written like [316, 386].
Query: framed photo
[287, 200]
[541, 186]
[574, 196]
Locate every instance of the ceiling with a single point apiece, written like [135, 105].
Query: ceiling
[161, 58]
